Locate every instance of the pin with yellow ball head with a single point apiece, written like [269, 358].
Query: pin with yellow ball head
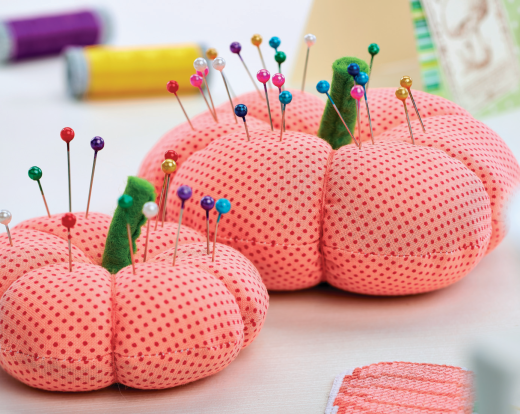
[211, 53]
[150, 210]
[5, 219]
[35, 173]
[256, 40]
[184, 192]
[168, 166]
[125, 202]
[402, 94]
[373, 49]
[406, 82]
[310, 39]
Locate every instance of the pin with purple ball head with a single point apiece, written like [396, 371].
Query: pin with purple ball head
[184, 192]
[196, 81]
[285, 98]
[278, 81]
[223, 206]
[323, 87]
[67, 134]
[35, 173]
[256, 40]
[235, 48]
[5, 219]
[172, 87]
[353, 70]
[357, 93]
[207, 203]
[373, 49]
[125, 202]
[406, 82]
[150, 210]
[241, 112]
[362, 79]
[201, 66]
[219, 64]
[310, 39]
[97, 144]
[168, 166]
[402, 94]
[69, 220]
[263, 76]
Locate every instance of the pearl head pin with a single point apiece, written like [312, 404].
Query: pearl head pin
[310, 40]
[150, 210]
[201, 66]
[5, 219]
[219, 64]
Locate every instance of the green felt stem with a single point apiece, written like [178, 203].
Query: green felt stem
[332, 129]
[117, 250]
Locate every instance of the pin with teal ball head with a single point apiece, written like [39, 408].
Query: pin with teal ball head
[196, 81]
[278, 81]
[285, 98]
[280, 57]
[172, 87]
[223, 206]
[150, 210]
[310, 39]
[69, 220]
[406, 82]
[275, 42]
[353, 70]
[323, 87]
[373, 49]
[67, 134]
[97, 144]
[219, 63]
[201, 66]
[241, 112]
[235, 48]
[5, 219]
[263, 76]
[168, 166]
[35, 173]
[184, 192]
[357, 93]
[125, 202]
[207, 203]
[362, 79]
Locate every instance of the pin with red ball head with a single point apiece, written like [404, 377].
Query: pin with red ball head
[69, 220]
[196, 81]
[323, 87]
[280, 57]
[184, 192]
[150, 210]
[67, 135]
[357, 93]
[406, 82]
[207, 203]
[263, 76]
[278, 81]
[97, 144]
[219, 64]
[168, 167]
[235, 48]
[373, 49]
[402, 94]
[285, 98]
[35, 173]
[223, 206]
[172, 87]
[362, 79]
[5, 219]
[241, 112]
[201, 66]
[310, 39]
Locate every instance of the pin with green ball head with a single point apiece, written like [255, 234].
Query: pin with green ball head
[69, 220]
[184, 192]
[67, 134]
[223, 206]
[362, 79]
[207, 203]
[5, 219]
[280, 57]
[125, 202]
[285, 98]
[241, 112]
[150, 210]
[373, 49]
[35, 173]
[323, 87]
[97, 144]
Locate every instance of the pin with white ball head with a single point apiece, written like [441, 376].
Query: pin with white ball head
[323, 87]
[207, 203]
[402, 94]
[241, 112]
[223, 206]
[256, 40]
[172, 87]
[67, 134]
[5, 219]
[196, 81]
[310, 39]
[235, 48]
[97, 144]
[406, 82]
[168, 167]
[278, 81]
[219, 64]
[125, 202]
[373, 49]
[357, 93]
[184, 192]
[150, 210]
[69, 220]
[212, 55]
[263, 76]
[35, 173]
[201, 66]
[285, 98]
[362, 79]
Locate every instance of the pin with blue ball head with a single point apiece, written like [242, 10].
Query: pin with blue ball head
[241, 112]
[235, 48]
[207, 203]
[362, 79]
[184, 192]
[275, 42]
[97, 144]
[35, 173]
[323, 87]
[125, 202]
[223, 206]
[285, 98]
[280, 57]
[373, 49]
[5, 219]
[353, 70]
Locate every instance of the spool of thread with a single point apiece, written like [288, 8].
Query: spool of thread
[48, 35]
[103, 71]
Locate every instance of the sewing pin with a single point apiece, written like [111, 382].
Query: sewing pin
[402, 94]
[184, 192]
[362, 79]
[285, 98]
[406, 82]
[168, 167]
[310, 39]
[280, 58]
[256, 40]
[278, 81]
[67, 135]
[241, 112]
[196, 81]
[150, 210]
[223, 206]
[373, 49]
[353, 70]
[35, 173]
[219, 64]
[207, 203]
[275, 42]
[235, 48]
[69, 220]
[5, 219]
[201, 66]
[97, 144]
[263, 76]
[357, 93]
[172, 87]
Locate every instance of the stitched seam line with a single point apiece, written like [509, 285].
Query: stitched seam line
[322, 212]
[267, 243]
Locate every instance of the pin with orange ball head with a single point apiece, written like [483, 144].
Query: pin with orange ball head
[278, 81]
[211, 53]
[207, 203]
[69, 220]
[323, 87]
[406, 82]
[357, 93]
[35, 173]
[5, 219]
[219, 64]
[172, 87]
[402, 94]
[235, 48]
[280, 57]
[353, 70]
[184, 192]
[373, 49]
[201, 66]
[362, 79]
[256, 40]
[241, 112]
[196, 81]
[150, 210]
[223, 206]
[285, 98]
[263, 76]
[125, 202]
[67, 135]
[310, 39]
[168, 166]
[97, 144]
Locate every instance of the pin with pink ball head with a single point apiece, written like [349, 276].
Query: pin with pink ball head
[35, 173]
[323, 87]
[263, 76]
[5, 219]
[373, 49]
[357, 93]
[235, 48]
[67, 134]
[241, 112]
[402, 94]
[406, 82]
[207, 203]
[172, 87]
[196, 81]
[310, 39]
[362, 79]
[97, 144]
[168, 167]
[278, 81]
[150, 210]
[125, 202]
[184, 192]
[201, 66]
[285, 98]
[223, 206]
[219, 64]
[69, 220]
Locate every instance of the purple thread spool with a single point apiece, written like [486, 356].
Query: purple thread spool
[49, 35]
